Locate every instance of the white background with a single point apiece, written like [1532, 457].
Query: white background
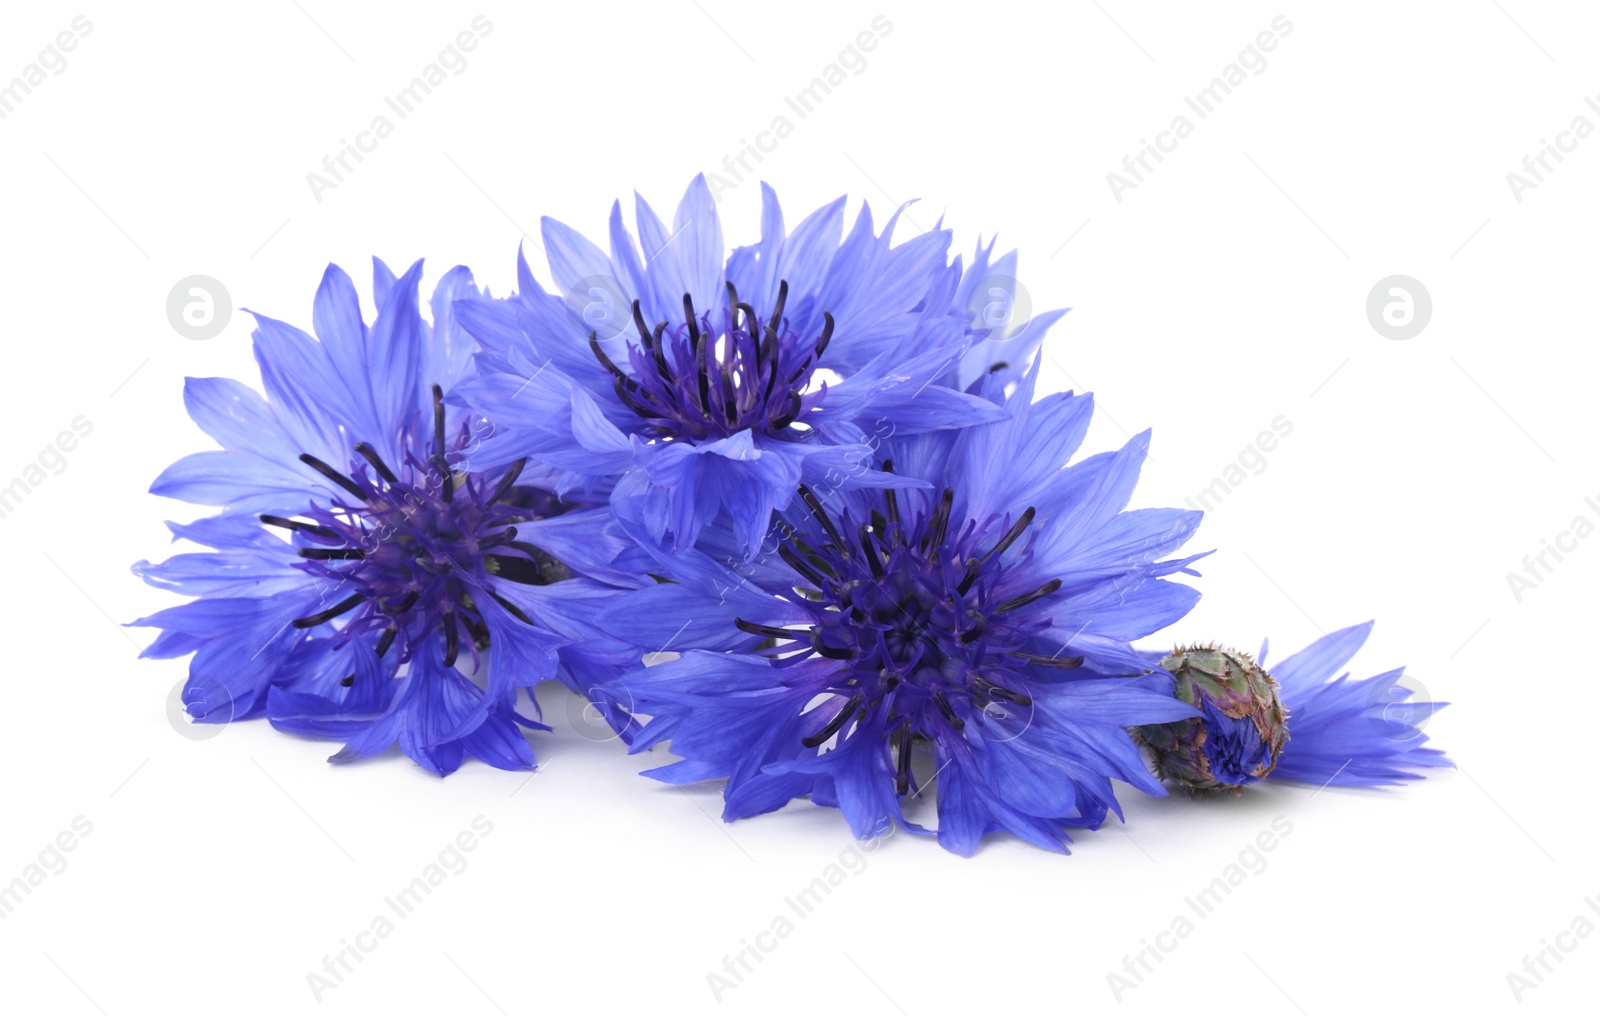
[1227, 289]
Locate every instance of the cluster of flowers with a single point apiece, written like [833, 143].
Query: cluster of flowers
[805, 475]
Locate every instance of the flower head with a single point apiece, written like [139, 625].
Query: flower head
[981, 619]
[1239, 733]
[360, 556]
[1293, 724]
[698, 389]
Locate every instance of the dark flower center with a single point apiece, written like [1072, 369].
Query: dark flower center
[910, 610]
[696, 382]
[419, 548]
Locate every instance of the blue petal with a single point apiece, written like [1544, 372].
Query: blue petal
[240, 645]
[696, 246]
[236, 417]
[383, 281]
[625, 256]
[573, 259]
[336, 317]
[313, 401]
[395, 348]
[235, 480]
[1316, 663]
[1343, 732]
[1126, 609]
[448, 357]
[1127, 540]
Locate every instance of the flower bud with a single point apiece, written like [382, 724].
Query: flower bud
[1240, 733]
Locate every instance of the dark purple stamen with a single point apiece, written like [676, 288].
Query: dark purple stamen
[824, 520]
[387, 640]
[891, 505]
[369, 453]
[949, 714]
[756, 381]
[310, 529]
[410, 548]
[406, 603]
[452, 638]
[332, 612]
[438, 420]
[923, 644]
[332, 553]
[873, 560]
[1000, 693]
[1017, 602]
[902, 768]
[764, 630]
[793, 561]
[1062, 662]
[334, 475]
[507, 480]
[821, 648]
[839, 720]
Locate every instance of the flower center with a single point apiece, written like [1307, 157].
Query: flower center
[910, 609]
[696, 382]
[419, 548]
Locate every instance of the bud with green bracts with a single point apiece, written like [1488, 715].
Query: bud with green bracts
[1239, 734]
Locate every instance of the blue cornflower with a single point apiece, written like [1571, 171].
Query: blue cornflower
[983, 618]
[698, 388]
[1350, 733]
[1293, 723]
[358, 560]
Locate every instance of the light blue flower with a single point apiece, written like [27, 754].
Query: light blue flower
[358, 561]
[984, 619]
[699, 384]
